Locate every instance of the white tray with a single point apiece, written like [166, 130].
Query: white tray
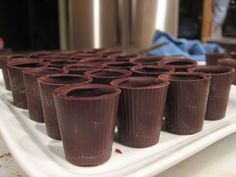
[41, 156]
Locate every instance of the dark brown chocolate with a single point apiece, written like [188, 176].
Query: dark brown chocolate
[79, 68]
[186, 102]
[221, 80]
[46, 85]
[106, 75]
[119, 64]
[181, 64]
[212, 58]
[146, 60]
[230, 63]
[15, 69]
[87, 115]
[96, 60]
[32, 91]
[151, 70]
[123, 56]
[141, 109]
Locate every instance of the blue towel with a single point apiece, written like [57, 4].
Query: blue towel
[182, 47]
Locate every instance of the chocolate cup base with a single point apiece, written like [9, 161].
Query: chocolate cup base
[92, 161]
[182, 131]
[137, 142]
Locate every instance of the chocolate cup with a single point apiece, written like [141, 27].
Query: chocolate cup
[118, 64]
[106, 75]
[146, 60]
[96, 60]
[221, 80]
[79, 68]
[123, 56]
[141, 109]
[40, 54]
[87, 117]
[3, 63]
[46, 85]
[232, 54]
[81, 56]
[32, 90]
[180, 64]
[109, 52]
[229, 63]
[212, 58]
[15, 69]
[151, 70]
[60, 63]
[93, 50]
[186, 102]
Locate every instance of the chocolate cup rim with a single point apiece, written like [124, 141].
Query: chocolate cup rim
[29, 71]
[42, 81]
[91, 59]
[64, 90]
[134, 59]
[78, 64]
[229, 70]
[106, 64]
[168, 68]
[124, 54]
[203, 75]
[223, 60]
[13, 63]
[125, 73]
[165, 61]
[116, 83]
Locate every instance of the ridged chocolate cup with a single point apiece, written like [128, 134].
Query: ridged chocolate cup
[41, 54]
[79, 68]
[151, 70]
[186, 102]
[93, 50]
[229, 62]
[46, 85]
[60, 63]
[212, 58]
[106, 75]
[181, 64]
[15, 69]
[123, 56]
[146, 60]
[3, 63]
[81, 56]
[221, 80]
[109, 52]
[141, 110]
[32, 90]
[87, 115]
[96, 60]
[119, 64]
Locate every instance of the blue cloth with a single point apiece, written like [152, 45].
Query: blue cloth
[182, 47]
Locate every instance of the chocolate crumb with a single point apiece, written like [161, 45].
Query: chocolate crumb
[118, 151]
[6, 155]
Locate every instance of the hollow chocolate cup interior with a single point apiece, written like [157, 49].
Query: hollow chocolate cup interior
[221, 80]
[87, 115]
[15, 69]
[151, 70]
[180, 64]
[60, 63]
[141, 110]
[46, 85]
[80, 68]
[118, 64]
[186, 102]
[229, 62]
[146, 60]
[212, 58]
[106, 75]
[32, 90]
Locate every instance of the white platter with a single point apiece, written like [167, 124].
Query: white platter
[41, 156]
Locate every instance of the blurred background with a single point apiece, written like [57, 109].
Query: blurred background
[74, 24]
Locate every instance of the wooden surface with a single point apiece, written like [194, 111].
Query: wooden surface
[206, 20]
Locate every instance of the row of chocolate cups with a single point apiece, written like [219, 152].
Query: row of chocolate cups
[135, 91]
